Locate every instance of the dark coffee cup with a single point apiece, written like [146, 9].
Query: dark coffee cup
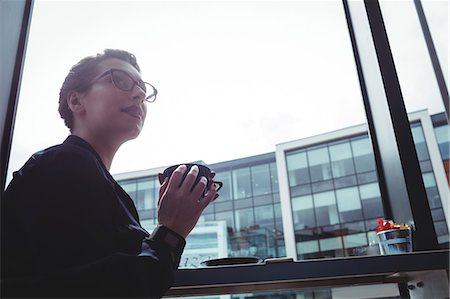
[202, 171]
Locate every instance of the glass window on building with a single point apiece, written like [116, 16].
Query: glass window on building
[225, 191]
[349, 204]
[274, 178]
[131, 188]
[264, 217]
[228, 218]
[278, 219]
[432, 192]
[297, 166]
[261, 179]
[443, 139]
[308, 249]
[303, 212]
[326, 208]
[355, 244]
[341, 160]
[331, 247]
[242, 186]
[371, 200]
[319, 164]
[146, 194]
[363, 154]
[419, 141]
[244, 219]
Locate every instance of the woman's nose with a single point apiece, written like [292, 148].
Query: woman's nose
[138, 94]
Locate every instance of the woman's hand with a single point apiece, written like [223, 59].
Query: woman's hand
[179, 208]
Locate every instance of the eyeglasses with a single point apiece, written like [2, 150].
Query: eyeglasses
[123, 81]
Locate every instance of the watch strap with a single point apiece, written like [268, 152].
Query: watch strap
[170, 240]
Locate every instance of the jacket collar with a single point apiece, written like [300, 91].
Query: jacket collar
[80, 142]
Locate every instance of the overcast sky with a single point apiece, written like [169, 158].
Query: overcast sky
[246, 75]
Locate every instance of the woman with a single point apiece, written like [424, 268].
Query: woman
[68, 228]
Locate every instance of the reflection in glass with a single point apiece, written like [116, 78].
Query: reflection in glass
[326, 209]
[341, 160]
[349, 204]
[371, 200]
[443, 139]
[319, 164]
[130, 188]
[244, 219]
[264, 216]
[274, 177]
[241, 183]
[303, 212]
[419, 140]
[298, 171]
[363, 154]
[260, 179]
[146, 194]
[228, 218]
[225, 191]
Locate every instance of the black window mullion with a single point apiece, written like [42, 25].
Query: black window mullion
[403, 192]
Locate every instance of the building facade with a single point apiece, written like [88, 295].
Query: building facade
[312, 198]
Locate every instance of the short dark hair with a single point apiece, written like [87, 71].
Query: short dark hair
[81, 75]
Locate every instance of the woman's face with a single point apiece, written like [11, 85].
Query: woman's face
[110, 112]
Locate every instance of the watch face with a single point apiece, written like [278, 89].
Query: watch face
[171, 240]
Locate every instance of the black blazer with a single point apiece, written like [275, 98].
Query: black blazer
[69, 230]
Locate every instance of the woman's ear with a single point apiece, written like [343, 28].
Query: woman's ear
[74, 102]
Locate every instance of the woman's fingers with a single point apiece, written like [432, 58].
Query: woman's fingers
[176, 177]
[210, 196]
[162, 189]
[187, 186]
[189, 181]
[199, 188]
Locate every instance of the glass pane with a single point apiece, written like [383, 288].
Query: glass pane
[244, 219]
[363, 154]
[443, 139]
[325, 208]
[228, 218]
[341, 160]
[331, 244]
[412, 61]
[371, 200]
[274, 177]
[319, 163]
[419, 141]
[146, 195]
[349, 204]
[303, 212]
[298, 170]
[261, 179]
[241, 183]
[225, 191]
[130, 188]
[259, 71]
[264, 217]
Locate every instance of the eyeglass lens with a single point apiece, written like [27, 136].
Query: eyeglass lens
[124, 82]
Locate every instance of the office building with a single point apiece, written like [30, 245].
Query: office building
[311, 198]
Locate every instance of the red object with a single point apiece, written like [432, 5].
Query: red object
[384, 224]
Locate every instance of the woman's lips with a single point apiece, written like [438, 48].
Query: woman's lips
[134, 111]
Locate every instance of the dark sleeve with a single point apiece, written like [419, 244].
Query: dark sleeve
[59, 236]
[115, 276]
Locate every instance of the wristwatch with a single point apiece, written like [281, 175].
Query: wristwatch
[170, 239]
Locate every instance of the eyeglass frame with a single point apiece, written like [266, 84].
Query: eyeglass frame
[140, 84]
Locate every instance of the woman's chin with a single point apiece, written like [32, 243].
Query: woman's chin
[135, 132]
